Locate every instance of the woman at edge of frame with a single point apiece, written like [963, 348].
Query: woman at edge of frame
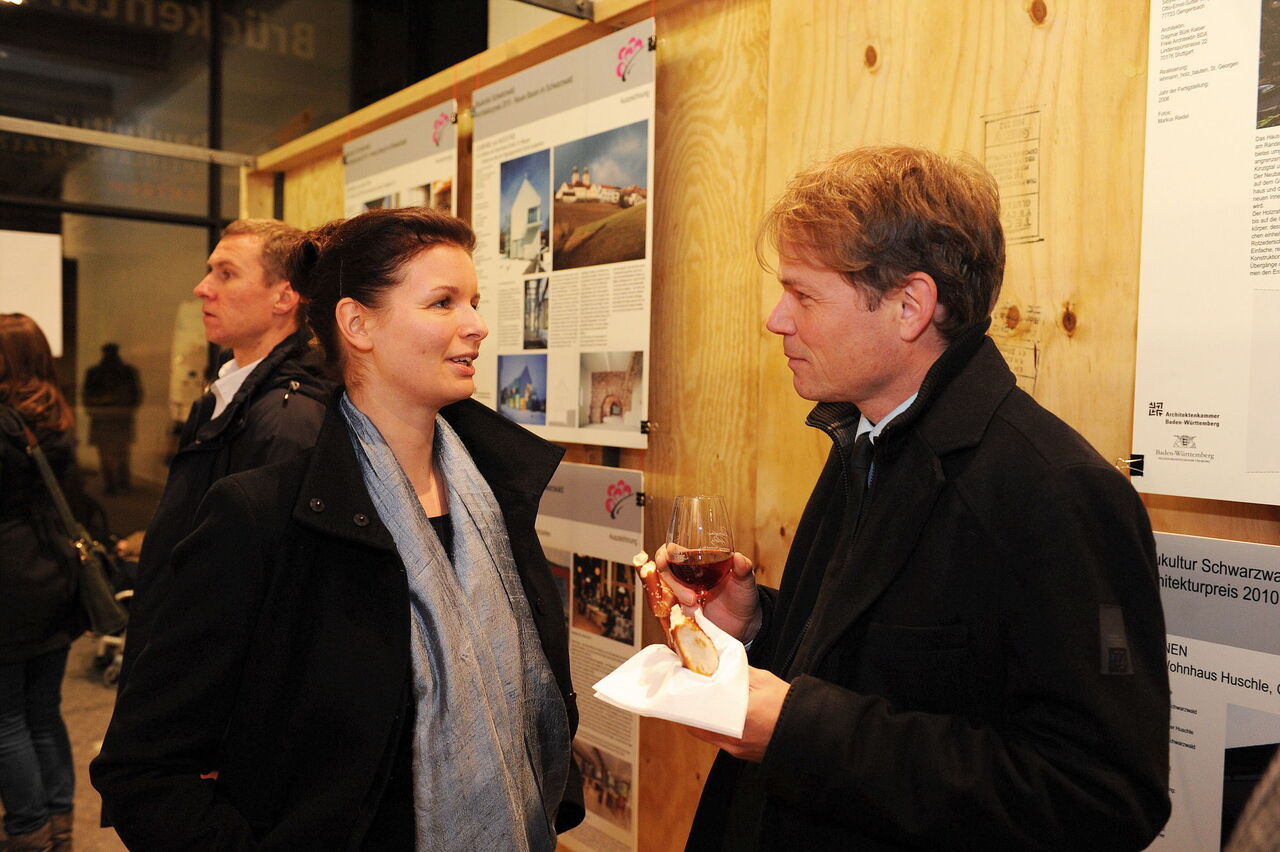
[39, 613]
[364, 648]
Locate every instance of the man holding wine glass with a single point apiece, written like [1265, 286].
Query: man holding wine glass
[967, 647]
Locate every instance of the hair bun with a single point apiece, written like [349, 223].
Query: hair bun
[302, 266]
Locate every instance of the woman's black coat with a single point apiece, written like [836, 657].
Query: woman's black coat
[39, 612]
[280, 659]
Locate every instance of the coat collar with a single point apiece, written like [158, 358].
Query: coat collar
[515, 463]
[937, 385]
[295, 346]
[954, 409]
[962, 412]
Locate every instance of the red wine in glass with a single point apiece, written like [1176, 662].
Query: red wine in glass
[699, 543]
[701, 569]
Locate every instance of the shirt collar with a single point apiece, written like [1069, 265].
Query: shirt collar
[866, 426]
[230, 377]
[845, 424]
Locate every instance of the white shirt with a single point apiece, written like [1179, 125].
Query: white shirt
[230, 377]
[865, 425]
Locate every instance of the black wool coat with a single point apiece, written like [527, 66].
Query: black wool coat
[280, 658]
[981, 664]
[274, 415]
[39, 611]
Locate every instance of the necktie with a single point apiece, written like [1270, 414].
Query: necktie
[859, 476]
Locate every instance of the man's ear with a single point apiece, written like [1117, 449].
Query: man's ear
[287, 300]
[352, 318]
[918, 297]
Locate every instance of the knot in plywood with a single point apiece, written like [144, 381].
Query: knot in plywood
[1069, 319]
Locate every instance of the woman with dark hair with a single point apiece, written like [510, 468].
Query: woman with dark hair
[39, 616]
[364, 648]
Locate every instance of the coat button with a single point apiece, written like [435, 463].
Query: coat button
[360, 519]
[316, 504]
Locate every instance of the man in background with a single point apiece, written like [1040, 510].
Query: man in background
[266, 404]
[967, 648]
[111, 395]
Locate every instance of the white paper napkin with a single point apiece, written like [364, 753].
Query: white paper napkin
[654, 683]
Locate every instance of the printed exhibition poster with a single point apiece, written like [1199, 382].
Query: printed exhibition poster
[412, 163]
[1207, 393]
[590, 524]
[563, 176]
[1222, 616]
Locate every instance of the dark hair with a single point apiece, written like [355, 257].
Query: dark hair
[279, 243]
[878, 214]
[28, 381]
[361, 258]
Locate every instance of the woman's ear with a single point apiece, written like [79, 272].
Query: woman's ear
[353, 324]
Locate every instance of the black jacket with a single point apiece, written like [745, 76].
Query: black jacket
[274, 415]
[38, 609]
[281, 655]
[981, 665]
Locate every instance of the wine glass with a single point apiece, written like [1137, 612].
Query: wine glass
[699, 543]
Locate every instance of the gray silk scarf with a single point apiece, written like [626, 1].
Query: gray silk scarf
[491, 741]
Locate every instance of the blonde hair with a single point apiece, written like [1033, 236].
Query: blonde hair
[878, 214]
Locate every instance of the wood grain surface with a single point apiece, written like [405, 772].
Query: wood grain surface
[313, 191]
[709, 178]
[933, 73]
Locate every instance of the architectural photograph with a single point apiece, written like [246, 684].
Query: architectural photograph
[537, 312]
[601, 191]
[526, 209]
[522, 388]
[611, 389]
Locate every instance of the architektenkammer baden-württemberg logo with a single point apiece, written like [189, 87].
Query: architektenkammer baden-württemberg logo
[1155, 409]
[437, 127]
[620, 493]
[626, 56]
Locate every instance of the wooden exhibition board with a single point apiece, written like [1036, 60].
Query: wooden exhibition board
[750, 90]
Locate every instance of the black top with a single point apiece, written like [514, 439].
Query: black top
[444, 532]
[275, 415]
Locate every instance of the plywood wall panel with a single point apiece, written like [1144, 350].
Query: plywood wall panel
[932, 72]
[313, 192]
[709, 181]
[256, 194]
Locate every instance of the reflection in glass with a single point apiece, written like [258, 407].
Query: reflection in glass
[132, 287]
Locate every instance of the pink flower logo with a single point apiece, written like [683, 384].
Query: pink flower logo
[626, 56]
[619, 493]
[438, 127]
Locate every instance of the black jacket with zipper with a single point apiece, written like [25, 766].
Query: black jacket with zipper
[274, 415]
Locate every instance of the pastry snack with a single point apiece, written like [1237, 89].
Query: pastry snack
[690, 642]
